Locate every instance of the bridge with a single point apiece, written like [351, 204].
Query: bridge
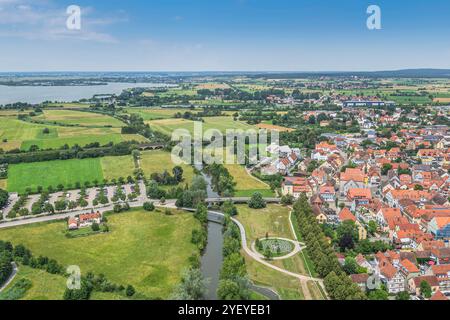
[219, 200]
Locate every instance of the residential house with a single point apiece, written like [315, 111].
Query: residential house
[414, 284]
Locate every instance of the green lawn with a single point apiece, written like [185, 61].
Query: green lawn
[286, 286]
[148, 250]
[274, 219]
[51, 173]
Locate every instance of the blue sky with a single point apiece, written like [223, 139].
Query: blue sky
[223, 35]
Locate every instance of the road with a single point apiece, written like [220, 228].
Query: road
[11, 277]
[135, 204]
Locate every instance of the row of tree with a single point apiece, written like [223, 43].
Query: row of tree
[234, 283]
[338, 285]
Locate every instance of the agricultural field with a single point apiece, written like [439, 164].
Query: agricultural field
[77, 105]
[158, 161]
[116, 167]
[269, 126]
[80, 118]
[52, 173]
[146, 250]
[17, 134]
[167, 126]
[157, 113]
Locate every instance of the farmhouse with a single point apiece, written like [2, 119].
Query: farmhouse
[84, 220]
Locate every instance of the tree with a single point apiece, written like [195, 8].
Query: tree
[347, 235]
[378, 294]
[287, 200]
[237, 289]
[257, 201]
[229, 208]
[192, 286]
[148, 206]
[4, 196]
[233, 265]
[95, 227]
[268, 253]
[177, 173]
[425, 289]
[350, 266]
[129, 291]
[404, 295]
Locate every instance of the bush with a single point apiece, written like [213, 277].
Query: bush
[17, 291]
[257, 201]
[149, 206]
[130, 291]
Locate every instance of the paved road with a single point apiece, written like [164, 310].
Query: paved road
[11, 277]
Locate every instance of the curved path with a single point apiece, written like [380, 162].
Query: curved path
[257, 257]
[11, 277]
[297, 248]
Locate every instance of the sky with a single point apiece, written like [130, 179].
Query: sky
[223, 35]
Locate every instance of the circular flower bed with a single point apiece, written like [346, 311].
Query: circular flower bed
[276, 247]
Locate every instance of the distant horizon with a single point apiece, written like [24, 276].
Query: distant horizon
[229, 71]
[223, 36]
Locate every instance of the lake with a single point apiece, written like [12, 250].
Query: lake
[38, 94]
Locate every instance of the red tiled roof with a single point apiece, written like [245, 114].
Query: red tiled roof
[346, 214]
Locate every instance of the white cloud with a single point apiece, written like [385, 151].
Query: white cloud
[44, 20]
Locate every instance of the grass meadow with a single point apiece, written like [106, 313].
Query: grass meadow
[167, 126]
[51, 173]
[17, 134]
[146, 250]
[81, 118]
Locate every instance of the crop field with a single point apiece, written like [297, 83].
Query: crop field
[116, 167]
[157, 113]
[146, 250]
[80, 118]
[167, 126]
[51, 173]
[158, 161]
[16, 134]
[269, 126]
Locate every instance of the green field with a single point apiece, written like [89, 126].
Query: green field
[167, 126]
[246, 184]
[274, 220]
[45, 286]
[51, 173]
[158, 161]
[146, 250]
[80, 118]
[116, 167]
[157, 113]
[16, 134]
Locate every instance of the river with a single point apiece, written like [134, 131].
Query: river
[38, 94]
[212, 258]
